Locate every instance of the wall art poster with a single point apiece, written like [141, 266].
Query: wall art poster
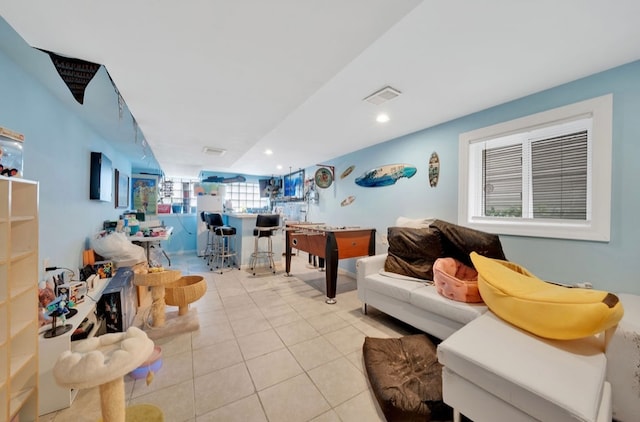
[144, 190]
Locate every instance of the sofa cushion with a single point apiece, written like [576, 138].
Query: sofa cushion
[429, 299]
[397, 288]
[412, 251]
[458, 242]
[424, 296]
[406, 378]
[550, 380]
[418, 223]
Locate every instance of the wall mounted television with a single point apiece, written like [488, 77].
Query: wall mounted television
[269, 188]
[100, 178]
[294, 185]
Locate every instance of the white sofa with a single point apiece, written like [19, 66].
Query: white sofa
[497, 380]
[411, 300]
[494, 371]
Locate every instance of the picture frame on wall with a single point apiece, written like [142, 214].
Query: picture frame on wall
[144, 193]
[122, 189]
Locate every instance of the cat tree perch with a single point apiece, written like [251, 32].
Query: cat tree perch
[104, 361]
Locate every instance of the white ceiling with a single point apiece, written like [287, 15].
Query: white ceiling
[290, 75]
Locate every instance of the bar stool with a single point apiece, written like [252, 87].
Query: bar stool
[266, 226]
[214, 220]
[204, 216]
[226, 247]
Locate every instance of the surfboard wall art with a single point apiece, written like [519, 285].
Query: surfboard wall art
[220, 179]
[385, 175]
[347, 171]
[434, 169]
[347, 201]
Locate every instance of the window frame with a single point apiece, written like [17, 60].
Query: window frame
[595, 228]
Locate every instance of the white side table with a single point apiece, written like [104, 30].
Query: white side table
[623, 361]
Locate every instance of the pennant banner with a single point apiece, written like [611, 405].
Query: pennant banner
[75, 73]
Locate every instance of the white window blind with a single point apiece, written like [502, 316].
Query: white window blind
[559, 177]
[503, 181]
[552, 169]
[535, 176]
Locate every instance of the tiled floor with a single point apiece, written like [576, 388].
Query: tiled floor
[268, 349]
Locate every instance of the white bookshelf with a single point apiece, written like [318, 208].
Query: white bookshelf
[18, 299]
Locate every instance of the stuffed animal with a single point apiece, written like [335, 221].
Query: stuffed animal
[45, 296]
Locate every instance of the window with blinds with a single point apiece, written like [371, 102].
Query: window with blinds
[543, 175]
[535, 176]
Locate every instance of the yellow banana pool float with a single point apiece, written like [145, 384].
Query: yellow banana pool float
[545, 309]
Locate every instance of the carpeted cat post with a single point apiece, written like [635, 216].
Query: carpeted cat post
[104, 361]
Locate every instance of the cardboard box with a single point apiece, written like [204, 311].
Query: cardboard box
[77, 291]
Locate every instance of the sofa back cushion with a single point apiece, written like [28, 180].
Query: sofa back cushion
[458, 242]
[417, 223]
[412, 251]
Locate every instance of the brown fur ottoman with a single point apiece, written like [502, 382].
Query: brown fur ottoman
[406, 378]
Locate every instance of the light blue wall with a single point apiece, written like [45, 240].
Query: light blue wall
[57, 150]
[612, 266]
[183, 238]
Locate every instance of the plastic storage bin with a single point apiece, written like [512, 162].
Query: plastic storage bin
[10, 153]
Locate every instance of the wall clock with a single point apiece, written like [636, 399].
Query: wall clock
[323, 177]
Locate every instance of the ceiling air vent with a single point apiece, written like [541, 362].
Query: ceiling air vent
[219, 152]
[385, 94]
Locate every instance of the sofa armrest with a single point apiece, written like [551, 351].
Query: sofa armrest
[365, 267]
[370, 265]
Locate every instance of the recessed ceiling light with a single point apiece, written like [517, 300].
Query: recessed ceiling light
[268, 152]
[382, 118]
[279, 166]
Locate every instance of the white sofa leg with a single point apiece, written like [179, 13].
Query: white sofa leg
[456, 416]
[364, 308]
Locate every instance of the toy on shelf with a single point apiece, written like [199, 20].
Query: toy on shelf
[58, 308]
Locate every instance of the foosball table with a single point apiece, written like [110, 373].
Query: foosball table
[329, 244]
